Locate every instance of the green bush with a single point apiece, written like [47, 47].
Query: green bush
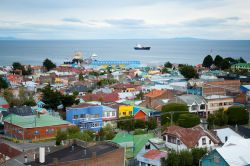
[139, 132]
[237, 115]
[172, 107]
[188, 120]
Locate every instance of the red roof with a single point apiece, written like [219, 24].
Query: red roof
[189, 136]
[155, 93]
[155, 154]
[102, 97]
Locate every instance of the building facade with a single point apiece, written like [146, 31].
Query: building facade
[86, 116]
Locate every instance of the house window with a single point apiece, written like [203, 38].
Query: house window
[108, 114]
[172, 139]
[36, 132]
[75, 117]
[83, 116]
[202, 107]
[216, 159]
[203, 141]
[164, 138]
[178, 142]
[97, 115]
[210, 142]
[147, 146]
[130, 112]
[124, 113]
[113, 113]
[226, 139]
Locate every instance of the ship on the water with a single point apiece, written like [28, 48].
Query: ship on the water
[141, 47]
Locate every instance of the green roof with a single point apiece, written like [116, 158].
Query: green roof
[34, 121]
[122, 137]
[145, 110]
[139, 141]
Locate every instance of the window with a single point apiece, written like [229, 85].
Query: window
[202, 106]
[178, 142]
[36, 132]
[172, 139]
[75, 117]
[147, 146]
[216, 159]
[108, 114]
[113, 113]
[203, 141]
[124, 113]
[226, 139]
[210, 142]
[97, 115]
[164, 138]
[83, 116]
[130, 112]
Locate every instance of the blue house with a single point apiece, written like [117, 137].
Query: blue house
[235, 151]
[86, 116]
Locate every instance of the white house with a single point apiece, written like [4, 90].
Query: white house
[195, 103]
[151, 153]
[179, 138]
[225, 133]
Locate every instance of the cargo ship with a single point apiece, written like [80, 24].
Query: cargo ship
[140, 47]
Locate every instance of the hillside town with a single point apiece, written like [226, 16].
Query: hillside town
[113, 112]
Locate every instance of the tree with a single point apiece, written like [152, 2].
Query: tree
[139, 124]
[218, 118]
[225, 64]
[188, 72]
[197, 154]
[218, 60]
[186, 158]
[237, 115]
[173, 159]
[81, 78]
[188, 120]
[48, 64]
[168, 65]
[51, 98]
[152, 124]
[126, 123]
[18, 66]
[3, 83]
[208, 61]
[172, 107]
[241, 60]
[164, 70]
[139, 132]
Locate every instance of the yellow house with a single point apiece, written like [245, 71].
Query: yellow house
[125, 110]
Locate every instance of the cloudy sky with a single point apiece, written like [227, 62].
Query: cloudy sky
[115, 19]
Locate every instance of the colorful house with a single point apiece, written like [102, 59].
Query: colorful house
[86, 116]
[109, 116]
[125, 110]
[234, 152]
[142, 113]
[3, 103]
[33, 127]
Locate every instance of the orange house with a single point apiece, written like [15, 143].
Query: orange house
[140, 115]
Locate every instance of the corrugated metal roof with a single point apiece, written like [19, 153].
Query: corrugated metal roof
[34, 121]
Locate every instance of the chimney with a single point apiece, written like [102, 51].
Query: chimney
[41, 154]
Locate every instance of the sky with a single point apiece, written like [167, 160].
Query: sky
[125, 19]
